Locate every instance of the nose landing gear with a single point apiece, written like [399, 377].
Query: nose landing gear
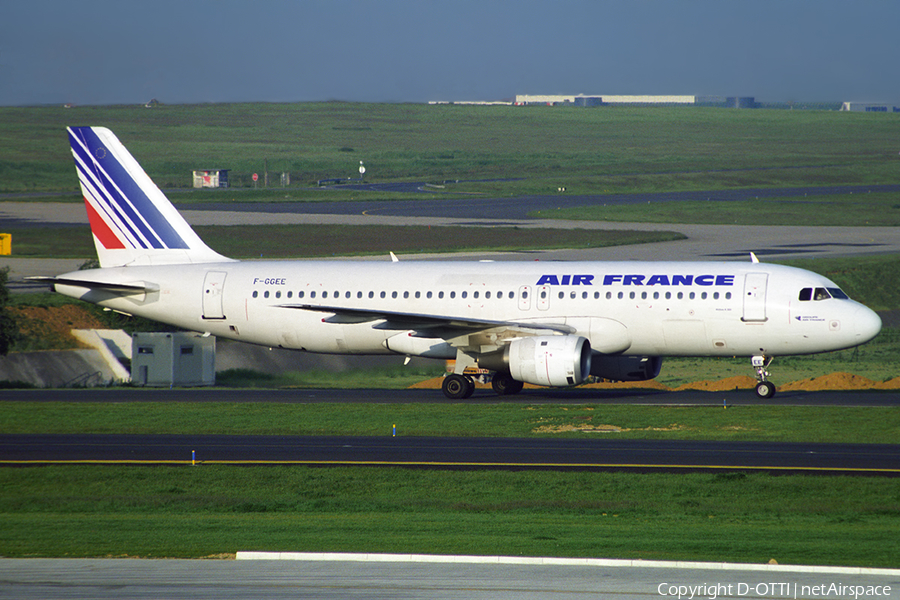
[764, 388]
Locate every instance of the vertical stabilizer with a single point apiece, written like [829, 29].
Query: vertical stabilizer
[132, 220]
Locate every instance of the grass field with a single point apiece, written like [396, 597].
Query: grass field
[306, 241]
[211, 510]
[745, 423]
[588, 151]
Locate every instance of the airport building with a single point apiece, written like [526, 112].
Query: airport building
[868, 107]
[635, 100]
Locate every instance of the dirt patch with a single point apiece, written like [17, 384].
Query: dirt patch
[49, 327]
[834, 381]
[601, 428]
[841, 381]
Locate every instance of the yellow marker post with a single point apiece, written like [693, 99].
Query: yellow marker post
[5, 244]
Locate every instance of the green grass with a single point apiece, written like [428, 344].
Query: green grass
[589, 151]
[293, 241]
[209, 510]
[743, 423]
[879, 209]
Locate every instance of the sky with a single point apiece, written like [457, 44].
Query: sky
[96, 52]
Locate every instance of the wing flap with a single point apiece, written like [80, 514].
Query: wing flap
[421, 321]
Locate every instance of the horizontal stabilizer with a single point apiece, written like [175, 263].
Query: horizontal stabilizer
[122, 288]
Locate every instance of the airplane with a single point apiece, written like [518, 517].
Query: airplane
[543, 323]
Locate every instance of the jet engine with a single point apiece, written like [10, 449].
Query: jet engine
[543, 360]
[626, 368]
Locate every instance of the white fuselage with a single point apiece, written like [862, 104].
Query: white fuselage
[622, 308]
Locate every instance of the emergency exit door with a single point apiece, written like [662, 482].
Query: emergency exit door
[213, 296]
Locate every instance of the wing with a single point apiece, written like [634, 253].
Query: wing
[426, 325]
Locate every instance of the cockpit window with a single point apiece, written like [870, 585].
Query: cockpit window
[807, 294]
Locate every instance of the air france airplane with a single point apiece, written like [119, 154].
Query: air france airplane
[549, 324]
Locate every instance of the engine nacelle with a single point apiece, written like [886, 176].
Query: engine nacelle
[557, 360]
[626, 368]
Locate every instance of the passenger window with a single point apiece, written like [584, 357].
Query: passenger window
[266, 294]
[290, 294]
[452, 295]
[428, 295]
[475, 294]
[805, 294]
[300, 294]
[278, 294]
[255, 293]
[440, 295]
[464, 295]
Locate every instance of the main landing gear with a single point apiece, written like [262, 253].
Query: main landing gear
[457, 387]
[764, 388]
[460, 387]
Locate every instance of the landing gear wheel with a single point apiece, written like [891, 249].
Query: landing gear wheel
[457, 387]
[505, 385]
[765, 389]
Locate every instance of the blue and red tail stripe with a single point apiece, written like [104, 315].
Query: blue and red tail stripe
[120, 212]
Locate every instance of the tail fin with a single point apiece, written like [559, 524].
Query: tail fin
[132, 220]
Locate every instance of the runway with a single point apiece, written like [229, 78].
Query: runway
[449, 453]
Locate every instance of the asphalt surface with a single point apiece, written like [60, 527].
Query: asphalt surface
[115, 579]
[450, 453]
[482, 396]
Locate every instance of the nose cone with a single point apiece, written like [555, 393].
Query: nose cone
[866, 324]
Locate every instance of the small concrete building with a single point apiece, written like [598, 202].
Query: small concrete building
[173, 359]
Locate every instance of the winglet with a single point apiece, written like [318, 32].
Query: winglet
[753, 258]
[132, 220]
[394, 258]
